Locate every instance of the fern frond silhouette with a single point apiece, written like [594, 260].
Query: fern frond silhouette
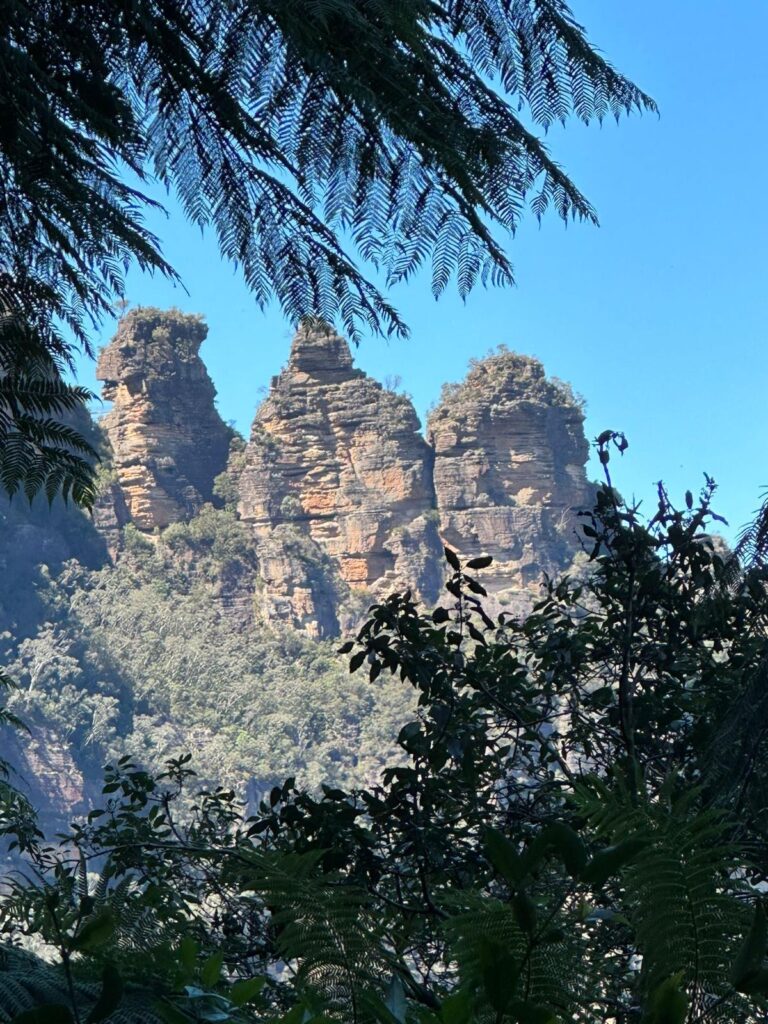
[302, 134]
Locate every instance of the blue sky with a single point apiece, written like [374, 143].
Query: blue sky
[658, 318]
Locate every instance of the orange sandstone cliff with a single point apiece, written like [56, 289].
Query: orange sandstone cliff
[509, 471]
[345, 499]
[168, 441]
[337, 468]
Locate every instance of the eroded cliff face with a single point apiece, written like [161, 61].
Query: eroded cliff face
[336, 483]
[509, 471]
[47, 774]
[344, 497]
[168, 441]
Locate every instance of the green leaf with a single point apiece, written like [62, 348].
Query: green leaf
[567, 845]
[500, 973]
[375, 1007]
[608, 861]
[669, 1003]
[476, 635]
[296, 1015]
[524, 910]
[210, 972]
[476, 587]
[171, 1014]
[452, 559]
[530, 1013]
[188, 951]
[243, 991]
[457, 1008]
[51, 1013]
[110, 997]
[503, 855]
[96, 931]
[756, 984]
[357, 660]
[751, 954]
[394, 999]
[601, 697]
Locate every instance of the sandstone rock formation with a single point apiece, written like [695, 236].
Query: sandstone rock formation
[344, 498]
[509, 471]
[167, 439]
[336, 484]
[48, 776]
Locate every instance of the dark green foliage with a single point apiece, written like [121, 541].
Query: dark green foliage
[556, 842]
[752, 548]
[283, 127]
[35, 992]
[17, 817]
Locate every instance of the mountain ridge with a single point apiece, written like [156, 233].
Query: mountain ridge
[339, 485]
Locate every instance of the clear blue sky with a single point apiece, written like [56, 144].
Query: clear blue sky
[658, 317]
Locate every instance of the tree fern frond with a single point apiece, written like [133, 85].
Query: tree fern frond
[751, 550]
[28, 983]
[681, 894]
[547, 974]
[278, 125]
[326, 927]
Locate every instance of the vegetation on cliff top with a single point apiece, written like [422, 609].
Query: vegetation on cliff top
[508, 376]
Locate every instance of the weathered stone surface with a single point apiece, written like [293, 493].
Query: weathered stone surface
[46, 773]
[300, 583]
[344, 497]
[110, 514]
[338, 464]
[167, 439]
[509, 471]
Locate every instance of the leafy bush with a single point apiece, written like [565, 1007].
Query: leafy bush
[575, 830]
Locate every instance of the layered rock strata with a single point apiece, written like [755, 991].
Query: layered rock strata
[168, 441]
[345, 499]
[509, 473]
[336, 484]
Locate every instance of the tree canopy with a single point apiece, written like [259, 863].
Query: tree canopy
[307, 135]
[575, 829]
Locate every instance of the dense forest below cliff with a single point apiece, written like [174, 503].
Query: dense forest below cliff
[200, 607]
[143, 658]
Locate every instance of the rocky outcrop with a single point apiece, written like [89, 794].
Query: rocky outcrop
[345, 499]
[168, 442]
[509, 471]
[110, 514]
[300, 584]
[336, 483]
[45, 772]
